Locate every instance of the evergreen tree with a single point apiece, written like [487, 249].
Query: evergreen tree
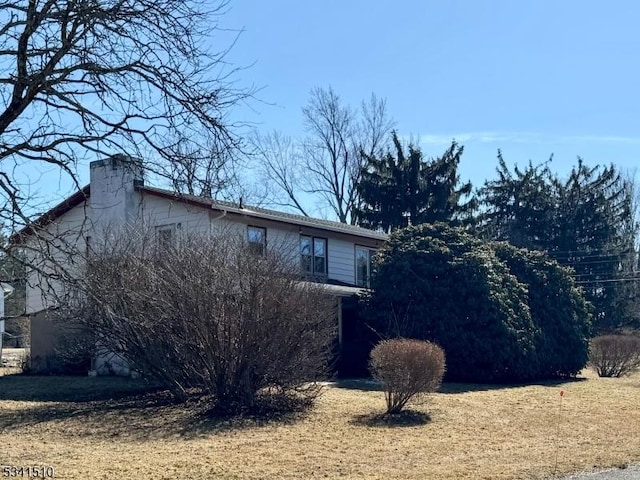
[404, 189]
[595, 235]
[584, 221]
[518, 206]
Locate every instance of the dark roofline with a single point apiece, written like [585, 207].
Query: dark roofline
[263, 213]
[51, 215]
[274, 215]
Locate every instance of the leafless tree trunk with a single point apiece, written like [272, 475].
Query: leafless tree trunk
[326, 165]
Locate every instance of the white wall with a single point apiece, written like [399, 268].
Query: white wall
[341, 258]
[157, 211]
[61, 241]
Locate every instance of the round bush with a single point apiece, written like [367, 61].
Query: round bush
[406, 368]
[615, 355]
[558, 309]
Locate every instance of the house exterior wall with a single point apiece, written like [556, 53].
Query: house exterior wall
[64, 237]
[155, 212]
[341, 257]
[115, 204]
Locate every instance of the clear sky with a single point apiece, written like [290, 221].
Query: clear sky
[531, 78]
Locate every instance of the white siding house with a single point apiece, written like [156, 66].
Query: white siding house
[117, 197]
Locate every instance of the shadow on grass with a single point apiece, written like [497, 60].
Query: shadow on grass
[452, 387]
[406, 418]
[31, 388]
[109, 410]
[364, 384]
[368, 385]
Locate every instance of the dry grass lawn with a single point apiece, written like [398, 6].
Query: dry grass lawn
[474, 432]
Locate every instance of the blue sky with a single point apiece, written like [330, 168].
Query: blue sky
[531, 78]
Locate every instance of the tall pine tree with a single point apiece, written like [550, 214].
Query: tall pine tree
[402, 188]
[584, 221]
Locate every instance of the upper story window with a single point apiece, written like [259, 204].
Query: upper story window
[257, 238]
[166, 234]
[363, 266]
[313, 256]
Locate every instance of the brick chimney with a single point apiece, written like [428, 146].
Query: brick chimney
[113, 200]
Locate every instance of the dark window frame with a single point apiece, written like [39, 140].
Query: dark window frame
[312, 259]
[172, 229]
[259, 248]
[366, 282]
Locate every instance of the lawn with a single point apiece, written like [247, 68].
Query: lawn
[107, 428]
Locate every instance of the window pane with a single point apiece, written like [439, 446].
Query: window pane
[306, 264]
[319, 255]
[256, 235]
[305, 245]
[305, 255]
[318, 247]
[165, 237]
[319, 268]
[362, 267]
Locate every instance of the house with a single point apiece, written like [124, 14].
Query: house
[5, 291]
[334, 253]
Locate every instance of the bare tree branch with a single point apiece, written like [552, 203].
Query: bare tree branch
[326, 164]
[92, 78]
[88, 79]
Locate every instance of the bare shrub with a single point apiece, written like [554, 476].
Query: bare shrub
[75, 346]
[406, 368]
[615, 355]
[208, 316]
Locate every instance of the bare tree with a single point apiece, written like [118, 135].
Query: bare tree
[327, 164]
[91, 78]
[281, 168]
[207, 317]
[206, 171]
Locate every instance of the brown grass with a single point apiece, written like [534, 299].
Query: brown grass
[470, 431]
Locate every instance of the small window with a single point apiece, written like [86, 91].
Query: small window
[257, 237]
[364, 256]
[313, 256]
[166, 235]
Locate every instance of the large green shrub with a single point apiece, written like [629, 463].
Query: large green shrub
[442, 284]
[559, 311]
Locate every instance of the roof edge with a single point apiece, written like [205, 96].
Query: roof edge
[212, 203]
[48, 217]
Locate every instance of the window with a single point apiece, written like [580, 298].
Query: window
[363, 265]
[313, 256]
[257, 237]
[167, 235]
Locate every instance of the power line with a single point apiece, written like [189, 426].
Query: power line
[591, 282]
